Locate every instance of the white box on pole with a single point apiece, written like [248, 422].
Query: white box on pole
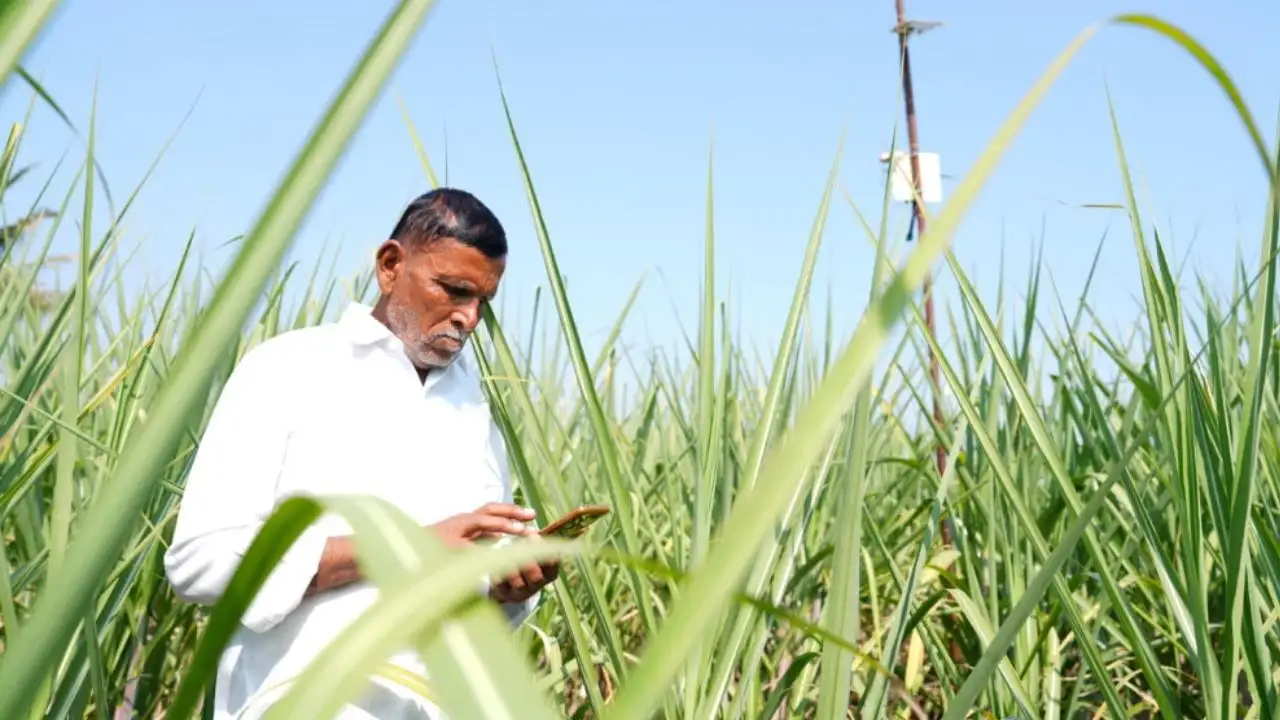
[900, 176]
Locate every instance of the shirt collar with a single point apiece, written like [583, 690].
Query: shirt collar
[362, 329]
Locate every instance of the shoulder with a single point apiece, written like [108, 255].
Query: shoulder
[286, 358]
[275, 377]
[318, 340]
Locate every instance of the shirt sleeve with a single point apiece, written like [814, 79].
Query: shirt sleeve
[498, 468]
[231, 490]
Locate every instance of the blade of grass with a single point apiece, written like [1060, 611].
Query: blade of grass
[606, 446]
[1005, 636]
[755, 513]
[474, 669]
[20, 23]
[106, 526]
[771, 416]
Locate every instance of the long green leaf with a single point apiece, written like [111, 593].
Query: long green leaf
[105, 528]
[755, 513]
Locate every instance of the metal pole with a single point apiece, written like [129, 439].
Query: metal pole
[903, 30]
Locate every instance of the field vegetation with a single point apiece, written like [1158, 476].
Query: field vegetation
[777, 548]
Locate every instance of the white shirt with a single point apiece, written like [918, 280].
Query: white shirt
[326, 410]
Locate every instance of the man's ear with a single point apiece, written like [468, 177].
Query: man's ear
[389, 264]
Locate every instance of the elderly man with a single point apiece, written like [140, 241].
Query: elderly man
[381, 402]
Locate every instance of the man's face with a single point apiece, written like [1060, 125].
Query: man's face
[434, 295]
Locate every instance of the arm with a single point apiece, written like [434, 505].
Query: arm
[337, 566]
[231, 489]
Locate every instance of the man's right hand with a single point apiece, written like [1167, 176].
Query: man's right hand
[338, 565]
[488, 521]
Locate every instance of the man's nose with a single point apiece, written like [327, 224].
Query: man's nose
[467, 317]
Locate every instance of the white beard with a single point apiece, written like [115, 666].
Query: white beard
[404, 323]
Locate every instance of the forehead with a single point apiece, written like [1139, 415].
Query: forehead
[448, 258]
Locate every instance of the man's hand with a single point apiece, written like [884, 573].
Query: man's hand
[338, 565]
[489, 521]
[493, 521]
[520, 586]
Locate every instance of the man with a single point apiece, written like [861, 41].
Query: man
[380, 402]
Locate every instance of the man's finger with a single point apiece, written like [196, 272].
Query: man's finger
[533, 576]
[516, 582]
[479, 523]
[506, 510]
[500, 591]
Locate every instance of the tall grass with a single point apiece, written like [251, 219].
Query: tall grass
[776, 548]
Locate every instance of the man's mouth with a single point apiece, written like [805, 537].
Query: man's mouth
[447, 342]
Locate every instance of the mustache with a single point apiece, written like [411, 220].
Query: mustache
[456, 335]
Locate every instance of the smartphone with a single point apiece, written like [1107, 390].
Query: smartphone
[575, 522]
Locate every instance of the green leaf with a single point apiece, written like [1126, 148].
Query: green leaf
[106, 526]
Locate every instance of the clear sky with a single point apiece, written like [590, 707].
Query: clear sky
[616, 103]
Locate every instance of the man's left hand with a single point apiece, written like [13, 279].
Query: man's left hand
[520, 586]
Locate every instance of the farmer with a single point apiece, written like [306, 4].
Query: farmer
[381, 402]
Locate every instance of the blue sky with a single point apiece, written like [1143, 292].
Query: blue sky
[616, 103]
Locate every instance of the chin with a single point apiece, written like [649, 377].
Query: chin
[435, 361]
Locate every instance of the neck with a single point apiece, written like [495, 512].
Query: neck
[379, 313]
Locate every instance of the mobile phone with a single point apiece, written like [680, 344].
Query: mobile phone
[575, 522]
